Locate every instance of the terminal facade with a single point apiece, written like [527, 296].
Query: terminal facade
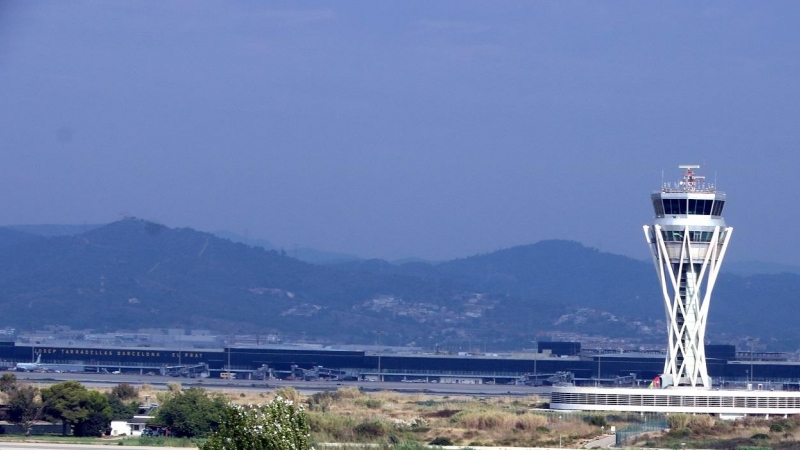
[588, 367]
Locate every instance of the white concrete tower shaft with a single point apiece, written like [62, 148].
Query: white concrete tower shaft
[688, 239]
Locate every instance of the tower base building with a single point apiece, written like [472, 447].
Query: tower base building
[726, 404]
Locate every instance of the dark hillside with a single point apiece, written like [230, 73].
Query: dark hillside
[562, 285]
[563, 272]
[133, 274]
[10, 236]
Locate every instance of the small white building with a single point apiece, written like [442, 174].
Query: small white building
[131, 427]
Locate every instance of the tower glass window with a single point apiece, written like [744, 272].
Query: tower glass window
[675, 206]
[700, 207]
[717, 209]
[658, 206]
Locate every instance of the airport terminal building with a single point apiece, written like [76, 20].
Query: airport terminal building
[554, 362]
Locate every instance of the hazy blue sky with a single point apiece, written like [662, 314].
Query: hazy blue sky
[394, 129]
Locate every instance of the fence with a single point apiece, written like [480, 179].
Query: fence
[611, 416]
[627, 433]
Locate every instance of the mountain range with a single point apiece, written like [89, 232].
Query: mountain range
[134, 274]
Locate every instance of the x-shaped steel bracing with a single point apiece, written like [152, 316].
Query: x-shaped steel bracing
[686, 361]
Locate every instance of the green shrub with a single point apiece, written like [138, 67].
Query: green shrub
[678, 421]
[192, 412]
[680, 432]
[373, 403]
[321, 401]
[370, 429]
[441, 441]
[125, 391]
[410, 445]
[782, 425]
[597, 421]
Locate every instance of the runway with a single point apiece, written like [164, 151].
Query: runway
[96, 380]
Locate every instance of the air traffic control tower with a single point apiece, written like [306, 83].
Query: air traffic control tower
[688, 239]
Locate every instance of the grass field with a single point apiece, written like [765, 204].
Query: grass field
[406, 421]
[351, 416]
[702, 431]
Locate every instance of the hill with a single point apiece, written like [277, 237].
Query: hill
[308, 255]
[136, 274]
[10, 236]
[563, 286]
[559, 286]
[747, 268]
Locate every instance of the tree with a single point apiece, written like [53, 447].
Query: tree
[191, 413]
[25, 407]
[8, 382]
[87, 412]
[124, 391]
[123, 401]
[121, 409]
[279, 425]
[97, 419]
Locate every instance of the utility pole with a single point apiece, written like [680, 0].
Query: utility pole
[751, 359]
[380, 375]
[599, 358]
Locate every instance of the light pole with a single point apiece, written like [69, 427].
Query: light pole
[559, 433]
[599, 358]
[751, 359]
[380, 375]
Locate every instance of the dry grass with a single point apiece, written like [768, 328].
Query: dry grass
[354, 416]
[349, 415]
[498, 420]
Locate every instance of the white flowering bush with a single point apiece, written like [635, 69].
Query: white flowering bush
[415, 424]
[278, 425]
